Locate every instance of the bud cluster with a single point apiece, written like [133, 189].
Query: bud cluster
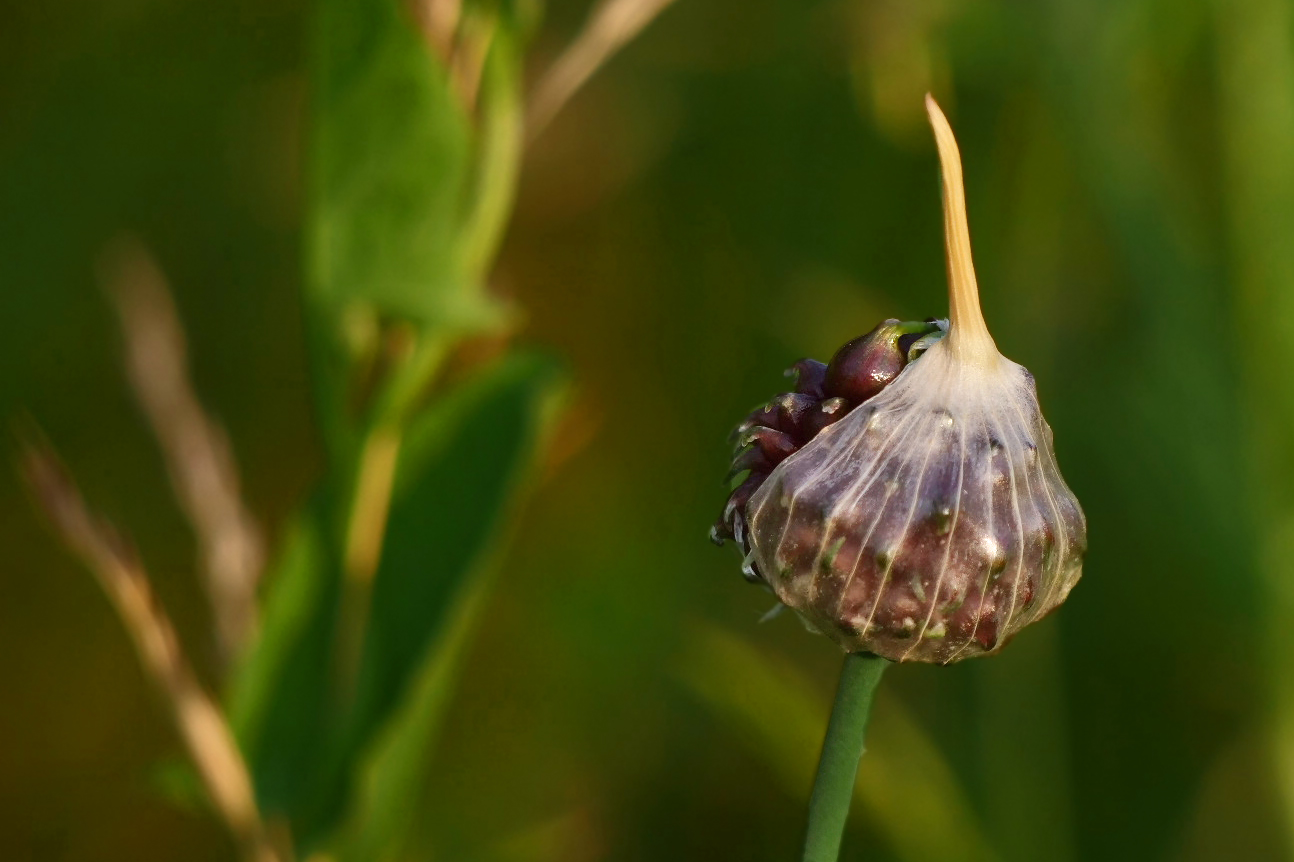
[823, 394]
[905, 499]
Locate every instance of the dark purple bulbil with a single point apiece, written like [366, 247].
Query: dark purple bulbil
[823, 394]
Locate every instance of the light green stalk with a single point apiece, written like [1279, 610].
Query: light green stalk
[833, 787]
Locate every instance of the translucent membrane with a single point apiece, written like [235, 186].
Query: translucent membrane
[931, 523]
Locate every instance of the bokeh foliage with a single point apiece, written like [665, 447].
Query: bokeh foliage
[749, 183]
[404, 192]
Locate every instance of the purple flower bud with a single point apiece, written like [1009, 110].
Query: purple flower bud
[917, 512]
[866, 365]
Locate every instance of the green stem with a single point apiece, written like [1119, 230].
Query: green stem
[841, 750]
[498, 157]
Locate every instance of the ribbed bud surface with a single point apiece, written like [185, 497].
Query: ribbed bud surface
[917, 513]
[931, 523]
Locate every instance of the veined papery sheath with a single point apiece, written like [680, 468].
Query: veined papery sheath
[906, 500]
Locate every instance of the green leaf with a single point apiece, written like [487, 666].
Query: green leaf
[501, 139]
[389, 781]
[280, 697]
[407, 203]
[391, 184]
[460, 464]
[390, 148]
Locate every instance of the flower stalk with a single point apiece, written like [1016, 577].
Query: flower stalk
[842, 749]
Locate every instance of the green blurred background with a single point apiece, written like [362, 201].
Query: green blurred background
[749, 182]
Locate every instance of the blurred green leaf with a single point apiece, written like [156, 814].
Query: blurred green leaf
[390, 148]
[460, 463]
[404, 218]
[1256, 73]
[391, 152]
[458, 469]
[390, 780]
[904, 786]
[279, 699]
[499, 156]
[1022, 742]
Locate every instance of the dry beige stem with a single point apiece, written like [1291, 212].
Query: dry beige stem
[438, 20]
[470, 50]
[610, 26]
[197, 452]
[207, 737]
[372, 504]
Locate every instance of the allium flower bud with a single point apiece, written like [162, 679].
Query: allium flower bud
[906, 501]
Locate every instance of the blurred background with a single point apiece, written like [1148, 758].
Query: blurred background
[747, 183]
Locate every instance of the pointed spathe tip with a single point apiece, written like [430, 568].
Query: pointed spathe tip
[943, 131]
[968, 334]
